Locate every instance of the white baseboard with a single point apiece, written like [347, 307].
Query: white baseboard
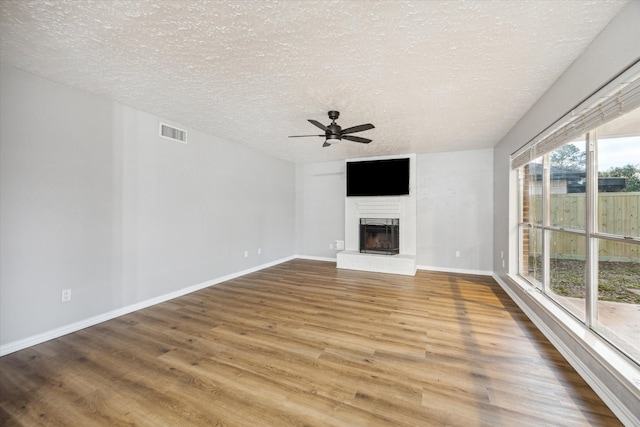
[85, 323]
[606, 355]
[608, 359]
[14, 346]
[454, 270]
[316, 258]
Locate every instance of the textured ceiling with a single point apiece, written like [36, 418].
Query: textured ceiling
[432, 76]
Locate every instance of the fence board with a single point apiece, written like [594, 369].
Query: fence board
[618, 213]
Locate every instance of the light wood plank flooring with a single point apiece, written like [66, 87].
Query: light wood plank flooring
[305, 344]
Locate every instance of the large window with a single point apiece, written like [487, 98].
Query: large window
[579, 228]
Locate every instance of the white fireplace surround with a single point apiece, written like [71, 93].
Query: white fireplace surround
[401, 207]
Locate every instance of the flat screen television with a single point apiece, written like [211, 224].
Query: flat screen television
[389, 177]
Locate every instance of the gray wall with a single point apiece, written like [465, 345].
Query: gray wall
[616, 47]
[455, 211]
[454, 204]
[93, 200]
[320, 193]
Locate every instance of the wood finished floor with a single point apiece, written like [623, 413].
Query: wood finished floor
[305, 344]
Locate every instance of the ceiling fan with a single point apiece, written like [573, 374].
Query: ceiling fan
[334, 133]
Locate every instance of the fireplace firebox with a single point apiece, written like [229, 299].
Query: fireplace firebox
[380, 236]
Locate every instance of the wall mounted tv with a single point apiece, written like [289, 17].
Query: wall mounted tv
[389, 177]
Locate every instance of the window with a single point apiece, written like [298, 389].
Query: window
[579, 227]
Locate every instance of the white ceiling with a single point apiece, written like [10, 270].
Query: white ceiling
[432, 76]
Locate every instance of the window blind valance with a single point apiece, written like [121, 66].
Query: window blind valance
[624, 98]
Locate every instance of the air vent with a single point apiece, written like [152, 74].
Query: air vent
[175, 134]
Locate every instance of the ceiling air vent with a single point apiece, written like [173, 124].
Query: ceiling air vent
[170, 132]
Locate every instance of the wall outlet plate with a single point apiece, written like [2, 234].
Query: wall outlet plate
[66, 295]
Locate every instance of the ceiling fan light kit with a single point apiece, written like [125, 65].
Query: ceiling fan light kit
[333, 133]
[332, 139]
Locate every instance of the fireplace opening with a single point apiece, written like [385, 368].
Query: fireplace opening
[380, 236]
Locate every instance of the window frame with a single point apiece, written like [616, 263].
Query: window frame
[591, 235]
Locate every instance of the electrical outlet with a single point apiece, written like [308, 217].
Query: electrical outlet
[66, 295]
[246, 254]
[330, 245]
[259, 251]
[457, 254]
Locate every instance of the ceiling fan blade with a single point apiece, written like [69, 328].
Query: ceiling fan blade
[356, 139]
[326, 144]
[358, 128]
[302, 136]
[318, 124]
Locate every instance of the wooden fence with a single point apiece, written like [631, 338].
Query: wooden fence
[618, 213]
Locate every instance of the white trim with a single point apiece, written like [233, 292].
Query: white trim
[21, 344]
[616, 98]
[454, 270]
[377, 263]
[76, 326]
[608, 359]
[629, 374]
[315, 258]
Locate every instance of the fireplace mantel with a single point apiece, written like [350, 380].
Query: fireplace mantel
[401, 207]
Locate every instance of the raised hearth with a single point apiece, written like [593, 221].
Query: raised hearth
[380, 209]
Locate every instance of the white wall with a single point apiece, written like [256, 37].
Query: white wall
[455, 211]
[93, 200]
[615, 48]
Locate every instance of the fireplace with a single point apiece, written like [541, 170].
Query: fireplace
[380, 236]
[380, 217]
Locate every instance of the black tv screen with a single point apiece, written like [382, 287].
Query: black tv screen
[378, 178]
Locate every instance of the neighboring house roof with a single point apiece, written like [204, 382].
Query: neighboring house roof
[576, 179]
